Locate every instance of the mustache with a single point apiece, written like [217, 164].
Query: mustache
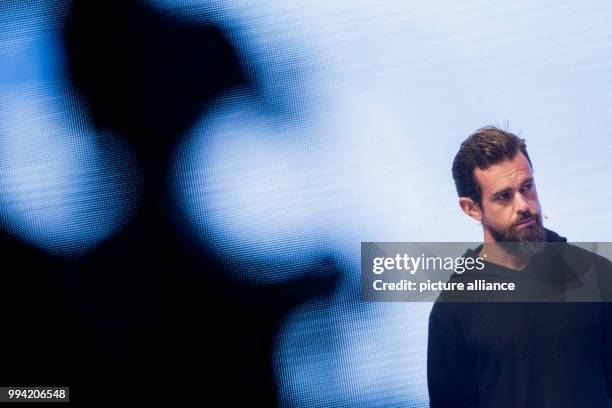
[526, 216]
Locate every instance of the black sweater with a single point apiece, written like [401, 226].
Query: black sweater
[510, 354]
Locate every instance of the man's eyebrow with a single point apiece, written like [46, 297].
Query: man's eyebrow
[500, 192]
[527, 180]
[508, 189]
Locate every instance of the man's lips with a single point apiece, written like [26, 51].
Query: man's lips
[526, 222]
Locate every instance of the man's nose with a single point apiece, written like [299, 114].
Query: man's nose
[520, 204]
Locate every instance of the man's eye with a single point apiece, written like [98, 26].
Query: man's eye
[502, 197]
[527, 187]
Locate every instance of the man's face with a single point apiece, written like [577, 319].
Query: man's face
[510, 208]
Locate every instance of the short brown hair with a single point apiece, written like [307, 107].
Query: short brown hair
[484, 148]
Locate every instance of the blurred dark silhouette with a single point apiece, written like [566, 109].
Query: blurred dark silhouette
[146, 75]
[167, 328]
[147, 317]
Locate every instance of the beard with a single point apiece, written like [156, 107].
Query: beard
[523, 242]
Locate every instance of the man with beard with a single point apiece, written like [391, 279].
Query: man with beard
[517, 353]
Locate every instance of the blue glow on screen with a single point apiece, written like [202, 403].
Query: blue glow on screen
[343, 353]
[55, 179]
[236, 183]
[359, 110]
[401, 85]
[64, 187]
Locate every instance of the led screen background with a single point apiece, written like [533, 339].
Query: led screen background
[266, 140]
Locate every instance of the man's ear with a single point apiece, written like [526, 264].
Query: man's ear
[471, 208]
